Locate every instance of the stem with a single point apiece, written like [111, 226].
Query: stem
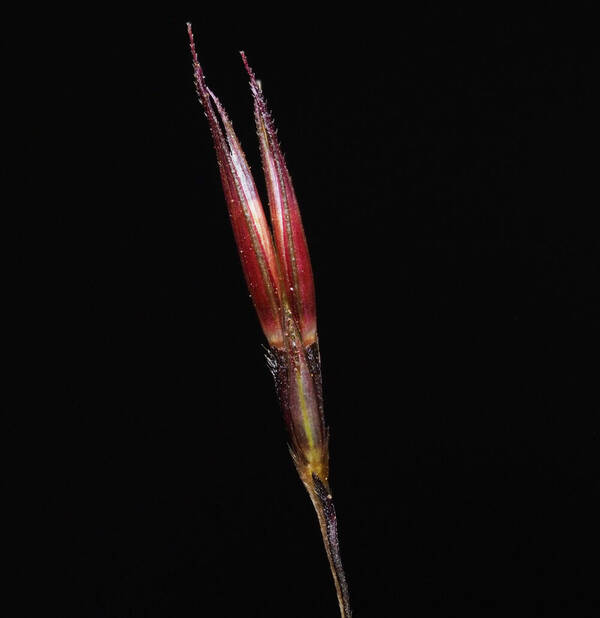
[323, 502]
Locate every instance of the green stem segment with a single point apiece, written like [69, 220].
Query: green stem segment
[297, 374]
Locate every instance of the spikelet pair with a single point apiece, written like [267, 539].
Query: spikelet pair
[278, 273]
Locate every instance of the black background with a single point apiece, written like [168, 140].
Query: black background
[444, 165]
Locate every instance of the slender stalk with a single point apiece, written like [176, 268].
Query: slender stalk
[322, 500]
